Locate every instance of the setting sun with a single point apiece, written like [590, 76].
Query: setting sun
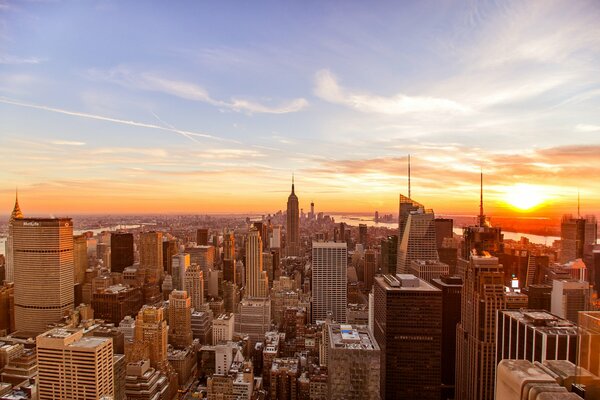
[525, 197]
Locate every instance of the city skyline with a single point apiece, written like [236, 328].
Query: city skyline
[211, 103]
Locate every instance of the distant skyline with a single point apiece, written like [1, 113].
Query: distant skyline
[205, 107]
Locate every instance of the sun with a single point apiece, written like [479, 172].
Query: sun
[525, 197]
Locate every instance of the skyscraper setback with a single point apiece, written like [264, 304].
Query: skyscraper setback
[43, 271]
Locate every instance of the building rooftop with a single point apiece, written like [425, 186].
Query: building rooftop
[351, 337]
[405, 282]
[543, 321]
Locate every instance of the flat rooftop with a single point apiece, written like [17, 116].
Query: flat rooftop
[350, 337]
[405, 282]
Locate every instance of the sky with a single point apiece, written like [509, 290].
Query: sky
[201, 107]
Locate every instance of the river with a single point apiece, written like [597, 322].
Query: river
[356, 220]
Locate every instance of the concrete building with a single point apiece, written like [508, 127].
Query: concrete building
[569, 297]
[194, 285]
[534, 335]
[180, 319]
[179, 266]
[42, 251]
[223, 327]
[145, 382]
[201, 323]
[329, 280]
[408, 329]
[116, 302]
[253, 319]
[257, 282]
[428, 270]
[71, 366]
[151, 257]
[353, 363]
[575, 235]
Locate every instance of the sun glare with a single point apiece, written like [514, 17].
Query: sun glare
[525, 197]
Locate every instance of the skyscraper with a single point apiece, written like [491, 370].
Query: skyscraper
[194, 285]
[293, 224]
[575, 235]
[80, 258]
[362, 234]
[202, 237]
[389, 254]
[228, 245]
[180, 319]
[451, 287]
[569, 297]
[151, 258]
[257, 282]
[43, 271]
[329, 270]
[408, 329]
[71, 366]
[353, 363]
[482, 296]
[418, 239]
[16, 214]
[121, 251]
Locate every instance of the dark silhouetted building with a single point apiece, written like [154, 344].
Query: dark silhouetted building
[408, 329]
[451, 287]
[202, 237]
[121, 251]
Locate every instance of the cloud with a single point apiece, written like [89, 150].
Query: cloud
[7, 59]
[188, 134]
[327, 88]
[587, 128]
[67, 143]
[191, 91]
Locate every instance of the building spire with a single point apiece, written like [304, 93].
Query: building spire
[409, 177]
[16, 213]
[481, 215]
[292, 183]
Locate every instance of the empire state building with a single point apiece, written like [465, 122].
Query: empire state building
[293, 224]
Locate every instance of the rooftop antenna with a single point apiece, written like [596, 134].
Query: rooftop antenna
[409, 177]
[292, 182]
[481, 216]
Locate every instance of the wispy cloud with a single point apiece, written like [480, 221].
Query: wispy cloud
[188, 134]
[587, 128]
[328, 88]
[67, 143]
[191, 91]
[8, 59]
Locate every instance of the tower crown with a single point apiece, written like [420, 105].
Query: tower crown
[16, 213]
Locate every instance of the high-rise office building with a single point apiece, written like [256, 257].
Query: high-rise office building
[569, 297]
[15, 215]
[202, 237]
[180, 316]
[71, 366]
[170, 248]
[275, 238]
[389, 254]
[150, 337]
[292, 240]
[428, 269]
[329, 280]
[353, 363]
[534, 335]
[43, 271]
[418, 239]
[362, 234]
[408, 329]
[253, 318]
[406, 206]
[451, 287]
[257, 282]
[194, 285]
[589, 341]
[370, 268]
[575, 235]
[179, 266]
[443, 230]
[228, 245]
[482, 296]
[80, 258]
[151, 258]
[121, 251]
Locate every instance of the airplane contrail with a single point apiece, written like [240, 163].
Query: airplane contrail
[186, 134]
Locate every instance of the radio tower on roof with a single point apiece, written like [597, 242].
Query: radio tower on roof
[482, 221]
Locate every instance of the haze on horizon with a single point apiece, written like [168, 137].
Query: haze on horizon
[130, 107]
